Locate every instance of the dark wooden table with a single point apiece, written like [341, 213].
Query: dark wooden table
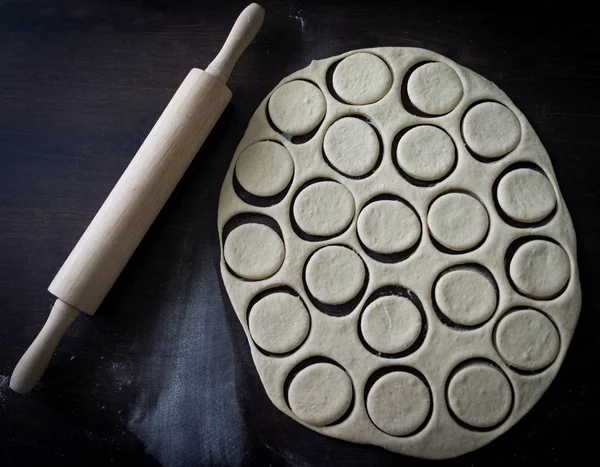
[162, 373]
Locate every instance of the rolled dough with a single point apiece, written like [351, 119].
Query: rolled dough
[264, 168]
[454, 244]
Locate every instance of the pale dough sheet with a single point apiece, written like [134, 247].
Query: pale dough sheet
[398, 252]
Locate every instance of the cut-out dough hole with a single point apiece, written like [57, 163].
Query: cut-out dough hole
[323, 208]
[279, 322]
[297, 108]
[362, 78]
[527, 340]
[466, 295]
[335, 275]
[264, 169]
[434, 88]
[458, 221]
[479, 395]
[426, 153]
[399, 403]
[491, 130]
[254, 251]
[540, 269]
[320, 394]
[351, 146]
[526, 195]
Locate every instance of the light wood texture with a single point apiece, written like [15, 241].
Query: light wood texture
[245, 28]
[111, 238]
[34, 361]
[117, 229]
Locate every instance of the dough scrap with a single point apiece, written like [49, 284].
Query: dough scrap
[254, 251]
[526, 195]
[324, 208]
[426, 153]
[398, 403]
[526, 339]
[466, 297]
[362, 78]
[297, 107]
[388, 227]
[491, 130]
[279, 322]
[320, 394]
[335, 275]
[434, 88]
[540, 269]
[264, 168]
[480, 395]
[458, 221]
[351, 146]
[391, 324]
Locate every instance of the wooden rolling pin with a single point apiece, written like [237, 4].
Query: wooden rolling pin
[115, 232]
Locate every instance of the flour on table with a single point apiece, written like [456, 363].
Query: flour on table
[398, 252]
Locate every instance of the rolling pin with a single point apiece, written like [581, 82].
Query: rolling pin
[115, 232]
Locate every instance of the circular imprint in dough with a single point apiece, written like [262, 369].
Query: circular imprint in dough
[540, 269]
[351, 146]
[479, 395]
[320, 394]
[466, 296]
[297, 108]
[458, 221]
[362, 78]
[264, 168]
[491, 130]
[527, 340]
[390, 324]
[434, 88]
[335, 275]
[388, 226]
[323, 209]
[399, 403]
[426, 153]
[279, 322]
[526, 195]
[254, 251]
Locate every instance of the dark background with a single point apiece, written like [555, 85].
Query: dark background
[163, 373]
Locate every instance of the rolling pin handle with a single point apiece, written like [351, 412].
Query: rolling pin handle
[245, 28]
[34, 361]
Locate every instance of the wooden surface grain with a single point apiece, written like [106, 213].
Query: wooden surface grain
[162, 373]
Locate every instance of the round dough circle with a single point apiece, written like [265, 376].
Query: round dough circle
[540, 269]
[388, 227]
[426, 153]
[254, 251]
[320, 394]
[362, 78]
[297, 107]
[434, 88]
[335, 275]
[391, 324]
[398, 403]
[351, 146]
[324, 208]
[458, 221]
[491, 130]
[480, 395]
[264, 168]
[466, 296]
[527, 340]
[279, 322]
[526, 195]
